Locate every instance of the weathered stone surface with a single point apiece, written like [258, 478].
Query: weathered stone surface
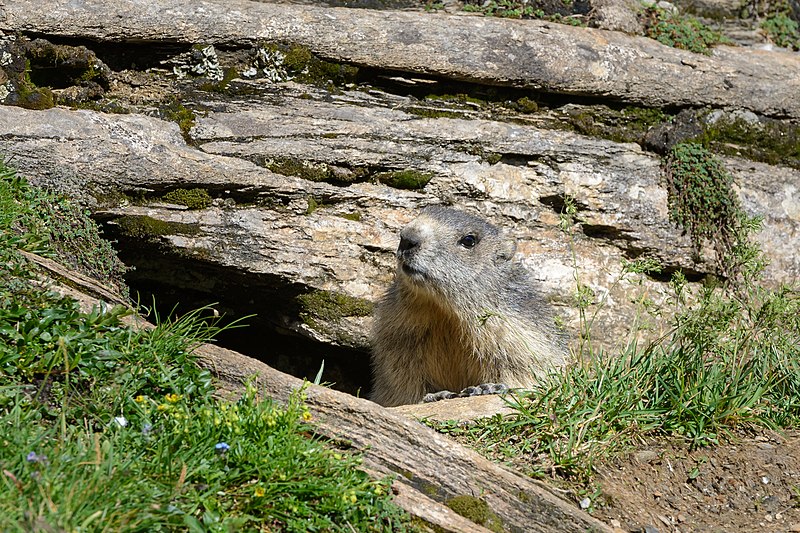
[271, 239]
[461, 409]
[618, 15]
[531, 54]
[268, 229]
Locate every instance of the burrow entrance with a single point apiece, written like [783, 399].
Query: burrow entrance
[173, 284]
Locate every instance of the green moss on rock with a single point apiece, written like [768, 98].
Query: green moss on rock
[221, 86]
[313, 205]
[526, 105]
[331, 306]
[180, 114]
[460, 98]
[191, 198]
[31, 97]
[308, 170]
[769, 141]
[629, 124]
[476, 510]
[354, 216]
[295, 62]
[145, 227]
[314, 171]
[427, 112]
[404, 179]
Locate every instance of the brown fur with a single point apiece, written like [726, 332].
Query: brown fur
[459, 315]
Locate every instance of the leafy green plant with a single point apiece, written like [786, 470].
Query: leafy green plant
[680, 31]
[526, 10]
[37, 221]
[782, 30]
[702, 201]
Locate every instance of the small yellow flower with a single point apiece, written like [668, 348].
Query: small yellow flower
[164, 407]
[173, 398]
[259, 492]
[140, 399]
[306, 416]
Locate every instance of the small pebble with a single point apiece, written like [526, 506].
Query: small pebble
[765, 480]
[645, 456]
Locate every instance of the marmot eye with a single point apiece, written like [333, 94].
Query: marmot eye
[468, 241]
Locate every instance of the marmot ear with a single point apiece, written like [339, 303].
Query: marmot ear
[507, 249]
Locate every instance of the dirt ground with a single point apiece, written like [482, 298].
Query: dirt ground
[749, 484]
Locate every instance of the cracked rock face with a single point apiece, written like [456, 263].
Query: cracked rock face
[262, 224]
[307, 185]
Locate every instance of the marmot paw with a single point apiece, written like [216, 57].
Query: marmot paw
[484, 388]
[441, 395]
[475, 390]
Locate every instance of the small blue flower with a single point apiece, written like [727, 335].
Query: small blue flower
[34, 457]
[147, 429]
[221, 447]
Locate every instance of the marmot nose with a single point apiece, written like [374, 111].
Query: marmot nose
[407, 244]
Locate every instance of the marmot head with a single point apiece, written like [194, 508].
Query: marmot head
[452, 254]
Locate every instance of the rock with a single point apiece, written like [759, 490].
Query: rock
[307, 188]
[274, 246]
[530, 54]
[618, 15]
[646, 456]
[714, 9]
[459, 409]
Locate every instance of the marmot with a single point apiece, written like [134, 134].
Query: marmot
[461, 312]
